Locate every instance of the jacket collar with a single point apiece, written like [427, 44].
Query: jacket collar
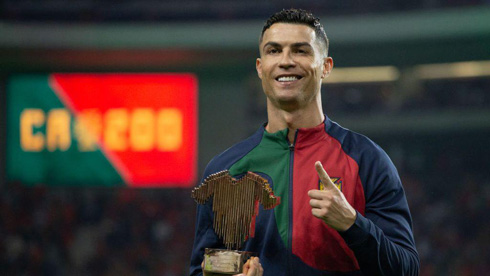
[304, 136]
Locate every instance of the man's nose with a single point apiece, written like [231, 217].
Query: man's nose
[286, 60]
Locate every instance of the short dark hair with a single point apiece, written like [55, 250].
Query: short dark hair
[298, 16]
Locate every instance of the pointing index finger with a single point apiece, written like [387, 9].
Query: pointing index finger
[324, 178]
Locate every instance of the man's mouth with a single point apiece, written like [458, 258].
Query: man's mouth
[288, 78]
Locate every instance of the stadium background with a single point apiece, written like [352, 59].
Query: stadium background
[434, 121]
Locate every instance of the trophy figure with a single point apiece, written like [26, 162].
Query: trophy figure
[235, 206]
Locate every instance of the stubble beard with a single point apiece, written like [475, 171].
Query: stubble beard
[289, 103]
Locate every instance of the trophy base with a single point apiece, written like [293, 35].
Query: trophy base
[225, 261]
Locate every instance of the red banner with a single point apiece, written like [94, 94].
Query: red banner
[145, 124]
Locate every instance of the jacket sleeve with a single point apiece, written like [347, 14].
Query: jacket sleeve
[204, 236]
[382, 239]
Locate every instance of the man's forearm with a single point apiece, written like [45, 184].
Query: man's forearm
[376, 253]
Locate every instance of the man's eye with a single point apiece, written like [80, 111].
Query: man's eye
[272, 51]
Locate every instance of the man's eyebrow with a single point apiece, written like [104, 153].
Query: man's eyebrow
[301, 44]
[272, 43]
[294, 45]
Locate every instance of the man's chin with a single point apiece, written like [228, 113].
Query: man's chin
[287, 96]
[288, 104]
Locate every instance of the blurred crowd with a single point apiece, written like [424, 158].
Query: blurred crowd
[57, 231]
[433, 96]
[451, 223]
[449, 197]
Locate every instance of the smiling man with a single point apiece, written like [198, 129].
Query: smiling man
[355, 221]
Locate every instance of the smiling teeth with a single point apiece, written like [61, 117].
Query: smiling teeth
[290, 78]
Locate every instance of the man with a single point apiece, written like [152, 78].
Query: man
[355, 221]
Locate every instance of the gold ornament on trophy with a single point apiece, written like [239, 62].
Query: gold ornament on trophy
[235, 206]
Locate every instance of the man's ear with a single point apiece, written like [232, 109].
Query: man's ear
[327, 67]
[258, 66]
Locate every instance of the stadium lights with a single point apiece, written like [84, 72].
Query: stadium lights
[363, 74]
[376, 74]
[469, 69]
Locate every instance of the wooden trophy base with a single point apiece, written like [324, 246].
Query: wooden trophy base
[223, 261]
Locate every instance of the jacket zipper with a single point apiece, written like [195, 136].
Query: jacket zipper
[290, 206]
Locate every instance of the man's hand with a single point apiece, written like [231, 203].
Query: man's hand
[251, 268]
[330, 204]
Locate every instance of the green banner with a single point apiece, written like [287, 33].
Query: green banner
[42, 140]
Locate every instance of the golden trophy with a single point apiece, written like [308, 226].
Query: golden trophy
[235, 206]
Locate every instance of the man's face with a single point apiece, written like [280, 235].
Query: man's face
[292, 65]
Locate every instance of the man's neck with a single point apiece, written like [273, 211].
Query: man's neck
[292, 120]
